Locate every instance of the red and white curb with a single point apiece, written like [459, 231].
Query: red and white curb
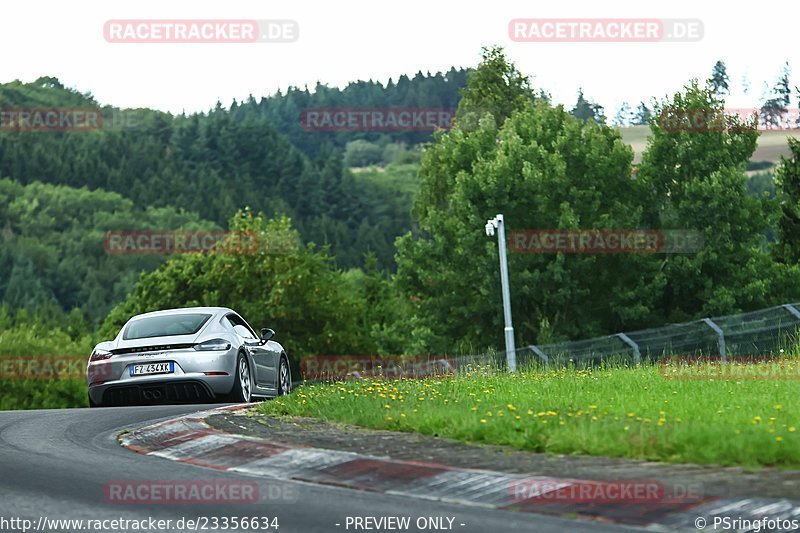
[189, 439]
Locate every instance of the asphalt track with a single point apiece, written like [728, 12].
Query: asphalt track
[56, 463]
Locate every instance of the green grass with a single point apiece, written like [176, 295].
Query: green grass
[620, 412]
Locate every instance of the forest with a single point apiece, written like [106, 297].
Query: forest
[389, 254]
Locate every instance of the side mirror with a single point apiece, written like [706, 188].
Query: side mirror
[266, 334]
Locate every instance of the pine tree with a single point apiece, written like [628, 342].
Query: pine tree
[719, 80]
[642, 116]
[623, 116]
[776, 106]
[586, 110]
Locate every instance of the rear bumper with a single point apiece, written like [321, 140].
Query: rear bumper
[110, 382]
[164, 392]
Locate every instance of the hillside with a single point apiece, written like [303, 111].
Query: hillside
[64, 189]
[771, 144]
[211, 164]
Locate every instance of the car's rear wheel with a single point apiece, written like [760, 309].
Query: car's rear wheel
[242, 385]
[284, 377]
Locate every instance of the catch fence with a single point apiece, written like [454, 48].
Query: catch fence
[765, 332]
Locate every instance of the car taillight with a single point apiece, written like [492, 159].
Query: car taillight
[100, 355]
[213, 345]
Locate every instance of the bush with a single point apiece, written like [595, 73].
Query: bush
[27, 339]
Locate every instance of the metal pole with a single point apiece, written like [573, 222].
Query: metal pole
[792, 309]
[637, 356]
[720, 336]
[511, 353]
[543, 356]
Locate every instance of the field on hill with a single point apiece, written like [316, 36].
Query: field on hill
[771, 144]
[404, 179]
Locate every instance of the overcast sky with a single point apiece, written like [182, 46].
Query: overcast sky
[346, 40]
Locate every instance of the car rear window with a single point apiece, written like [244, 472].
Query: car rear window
[165, 326]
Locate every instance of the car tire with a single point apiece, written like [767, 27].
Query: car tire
[243, 382]
[284, 377]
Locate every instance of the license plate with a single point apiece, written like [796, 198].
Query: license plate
[152, 368]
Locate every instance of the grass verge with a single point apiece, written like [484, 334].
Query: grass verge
[621, 412]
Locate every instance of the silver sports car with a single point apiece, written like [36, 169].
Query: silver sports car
[197, 354]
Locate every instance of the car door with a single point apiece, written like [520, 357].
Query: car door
[265, 368]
